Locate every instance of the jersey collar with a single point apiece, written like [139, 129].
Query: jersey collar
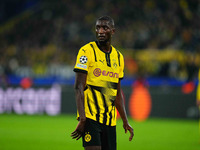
[101, 49]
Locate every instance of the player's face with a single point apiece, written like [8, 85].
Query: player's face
[104, 31]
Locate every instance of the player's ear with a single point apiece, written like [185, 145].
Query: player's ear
[113, 31]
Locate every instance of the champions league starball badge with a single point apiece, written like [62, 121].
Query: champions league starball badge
[83, 59]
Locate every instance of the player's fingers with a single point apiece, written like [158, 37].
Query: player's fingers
[78, 137]
[132, 134]
[130, 138]
[73, 133]
[75, 136]
[125, 129]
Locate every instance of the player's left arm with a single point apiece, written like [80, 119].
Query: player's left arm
[119, 103]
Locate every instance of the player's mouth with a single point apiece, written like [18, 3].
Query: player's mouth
[101, 37]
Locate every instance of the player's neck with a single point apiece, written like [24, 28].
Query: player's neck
[104, 46]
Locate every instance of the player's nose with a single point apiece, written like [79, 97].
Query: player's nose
[101, 30]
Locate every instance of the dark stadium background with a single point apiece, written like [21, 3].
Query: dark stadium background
[39, 41]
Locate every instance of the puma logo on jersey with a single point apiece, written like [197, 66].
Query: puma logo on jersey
[83, 50]
[102, 61]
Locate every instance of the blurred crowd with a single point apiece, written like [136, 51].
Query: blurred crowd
[43, 40]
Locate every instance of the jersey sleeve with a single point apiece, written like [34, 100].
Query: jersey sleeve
[121, 70]
[83, 60]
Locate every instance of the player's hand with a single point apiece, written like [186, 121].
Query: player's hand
[128, 127]
[78, 131]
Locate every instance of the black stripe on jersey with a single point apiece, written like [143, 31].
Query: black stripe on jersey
[96, 104]
[88, 101]
[118, 57]
[114, 114]
[110, 120]
[103, 90]
[94, 52]
[100, 89]
[108, 59]
[106, 109]
[86, 87]
[113, 109]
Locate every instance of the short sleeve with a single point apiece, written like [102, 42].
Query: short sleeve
[82, 61]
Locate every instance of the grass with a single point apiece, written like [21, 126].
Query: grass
[41, 132]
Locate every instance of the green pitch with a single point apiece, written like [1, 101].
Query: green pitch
[23, 132]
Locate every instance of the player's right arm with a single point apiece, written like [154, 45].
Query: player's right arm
[79, 86]
[83, 62]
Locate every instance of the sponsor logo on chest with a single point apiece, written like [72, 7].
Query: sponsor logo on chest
[98, 72]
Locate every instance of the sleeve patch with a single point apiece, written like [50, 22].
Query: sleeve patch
[81, 66]
[83, 59]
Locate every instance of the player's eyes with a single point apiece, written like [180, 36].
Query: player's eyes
[105, 28]
[97, 27]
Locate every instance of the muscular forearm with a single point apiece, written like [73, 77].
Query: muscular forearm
[79, 86]
[119, 103]
[121, 108]
[79, 89]
[80, 104]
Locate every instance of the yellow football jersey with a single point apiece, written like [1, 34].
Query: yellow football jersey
[103, 73]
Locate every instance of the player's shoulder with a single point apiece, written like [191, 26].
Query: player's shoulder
[87, 47]
[117, 51]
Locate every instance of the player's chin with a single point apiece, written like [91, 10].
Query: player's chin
[102, 41]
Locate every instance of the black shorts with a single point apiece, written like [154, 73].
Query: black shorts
[97, 134]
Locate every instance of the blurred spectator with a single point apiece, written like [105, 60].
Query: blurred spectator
[40, 38]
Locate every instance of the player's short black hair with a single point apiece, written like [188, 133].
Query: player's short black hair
[107, 18]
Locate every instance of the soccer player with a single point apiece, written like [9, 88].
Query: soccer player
[99, 70]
